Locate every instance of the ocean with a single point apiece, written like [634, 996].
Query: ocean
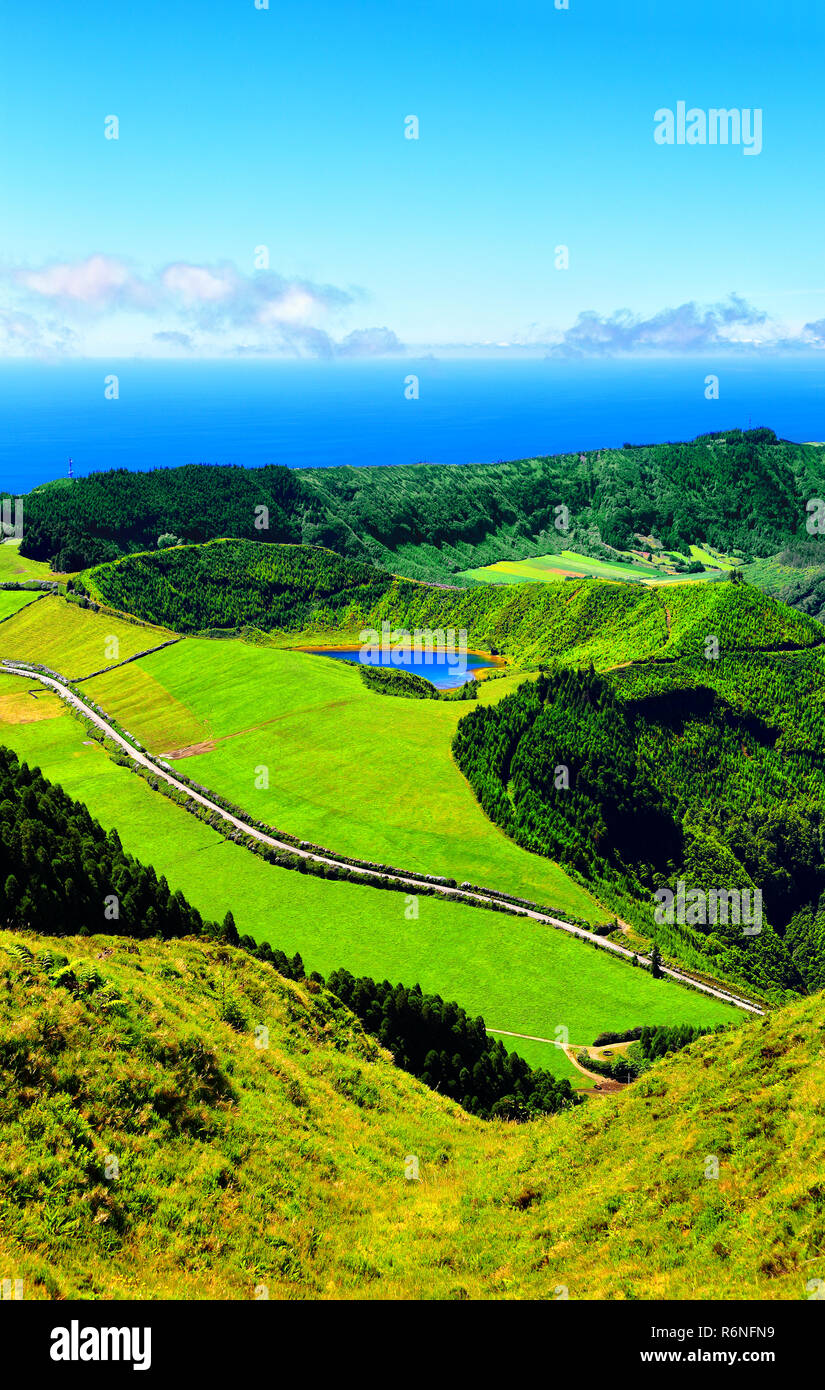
[319, 414]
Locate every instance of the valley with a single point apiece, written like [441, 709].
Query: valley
[496, 853]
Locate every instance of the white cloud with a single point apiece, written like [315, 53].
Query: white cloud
[96, 282]
[195, 284]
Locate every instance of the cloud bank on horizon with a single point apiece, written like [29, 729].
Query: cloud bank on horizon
[100, 304]
[74, 307]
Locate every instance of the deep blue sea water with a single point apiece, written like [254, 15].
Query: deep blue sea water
[325, 413]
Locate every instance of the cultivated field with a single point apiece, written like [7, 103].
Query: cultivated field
[72, 640]
[571, 563]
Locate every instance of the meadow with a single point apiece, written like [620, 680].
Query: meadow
[18, 568]
[346, 768]
[518, 975]
[12, 600]
[75, 641]
[571, 563]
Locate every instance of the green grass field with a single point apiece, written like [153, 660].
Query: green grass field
[570, 562]
[520, 975]
[73, 640]
[14, 566]
[12, 600]
[347, 768]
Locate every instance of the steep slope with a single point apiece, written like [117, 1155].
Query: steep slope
[229, 584]
[710, 776]
[156, 1143]
[742, 490]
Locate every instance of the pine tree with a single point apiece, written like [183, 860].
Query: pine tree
[229, 932]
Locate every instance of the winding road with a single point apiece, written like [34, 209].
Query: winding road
[15, 668]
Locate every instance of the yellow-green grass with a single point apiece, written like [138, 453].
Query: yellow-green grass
[17, 567]
[12, 600]
[300, 742]
[550, 567]
[57, 633]
[517, 974]
[287, 1166]
[713, 559]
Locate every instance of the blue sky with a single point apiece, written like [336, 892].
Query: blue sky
[284, 128]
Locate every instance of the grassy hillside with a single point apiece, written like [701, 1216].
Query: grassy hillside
[57, 632]
[742, 490]
[308, 592]
[150, 1149]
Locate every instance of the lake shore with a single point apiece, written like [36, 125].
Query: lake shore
[351, 653]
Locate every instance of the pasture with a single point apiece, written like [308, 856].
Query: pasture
[12, 600]
[519, 975]
[299, 742]
[14, 566]
[72, 640]
[569, 563]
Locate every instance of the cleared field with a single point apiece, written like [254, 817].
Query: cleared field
[299, 742]
[519, 975]
[22, 704]
[570, 563]
[12, 600]
[714, 559]
[73, 640]
[13, 565]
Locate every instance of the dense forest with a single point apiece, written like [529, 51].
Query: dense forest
[108, 514]
[62, 874]
[743, 491]
[708, 772]
[240, 584]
